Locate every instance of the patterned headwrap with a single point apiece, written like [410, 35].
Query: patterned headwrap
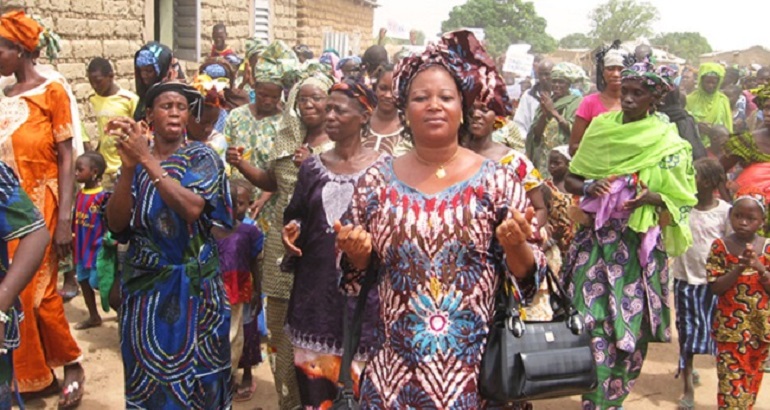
[564, 151]
[20, 29]
[357, 91]
[293, 131]
[254, 45]
[211, 89]
[474, 71]
[761, 95]
[145, 57]
[569, 72]
[50, 42]
[194, 98]
[751, 194]
[215, 71]
[658, 82]
[275, 63]
[343, 61]
[331, 59]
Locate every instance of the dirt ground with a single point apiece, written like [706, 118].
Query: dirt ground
[656, 388]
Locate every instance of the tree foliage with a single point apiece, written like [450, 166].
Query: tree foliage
[505, 22]
[622, 19]
[687, 45]
[576, 40]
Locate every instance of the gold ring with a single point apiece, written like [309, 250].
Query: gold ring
[124, 137]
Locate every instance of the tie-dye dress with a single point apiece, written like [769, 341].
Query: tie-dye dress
[439, 266]
[175, 314]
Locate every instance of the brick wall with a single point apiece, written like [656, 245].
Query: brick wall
[235, 14]
[283, 21]
[354, 17]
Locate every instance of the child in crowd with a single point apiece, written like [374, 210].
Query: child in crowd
[694, 301]
[109, 101]
[738, 269]
[19, 219]
[238, 256]
[562, 227]
[89, 228]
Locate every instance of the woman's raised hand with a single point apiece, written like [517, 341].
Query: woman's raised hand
[289, 236]
[355, 242]
[131, 140]
[234, 155]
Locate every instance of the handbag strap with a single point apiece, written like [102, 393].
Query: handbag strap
[555, 289]
[352, 333]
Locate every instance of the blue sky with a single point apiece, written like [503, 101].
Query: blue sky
[726, 28]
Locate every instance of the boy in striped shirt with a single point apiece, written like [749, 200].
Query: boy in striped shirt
[89, 229]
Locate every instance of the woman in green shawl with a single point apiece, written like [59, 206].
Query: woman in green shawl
[638, 185]
[707, 104]
[301, 134]
[554, 117]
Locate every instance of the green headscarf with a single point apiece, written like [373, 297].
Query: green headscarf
[254, 45]
[292, 131]
[713, 108]
[652, 148]
[276, 64]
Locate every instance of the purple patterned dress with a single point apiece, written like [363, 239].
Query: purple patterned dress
[439, 266]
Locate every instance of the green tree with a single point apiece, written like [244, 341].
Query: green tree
[576, 40]
[505, 22]
[622, 20]
[687, 45]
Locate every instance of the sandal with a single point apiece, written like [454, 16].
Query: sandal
[245, 394]
[685, 404]
[695, 378]
[72, 394]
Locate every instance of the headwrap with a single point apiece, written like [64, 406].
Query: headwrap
[657, 81]
[331, 59]
[611, 56]
[474, 71]
[303, 50]
[49, 41]
[254, 45]
[21, 29]
[712, 108]
[275, 64]
[761, 95]
[343, 61]
[357, 91]
[160, 58]
[194, 98]
[569, 72]
[293, 131]
[215, 71]
[211, 90]
[751, 194]
[564, 151]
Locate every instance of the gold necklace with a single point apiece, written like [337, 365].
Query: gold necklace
[440, 171]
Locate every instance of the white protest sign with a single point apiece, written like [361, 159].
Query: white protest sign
[518, 60]
[397, 30]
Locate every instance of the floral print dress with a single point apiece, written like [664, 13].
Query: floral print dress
[439, 266]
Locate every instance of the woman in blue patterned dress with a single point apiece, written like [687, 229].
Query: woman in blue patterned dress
[441, 227]
[175, 318]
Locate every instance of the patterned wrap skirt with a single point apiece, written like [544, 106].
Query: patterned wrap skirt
[694, 316]
[175, 339]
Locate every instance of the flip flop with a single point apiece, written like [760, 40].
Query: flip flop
[686, 404]
[86, 325]
[72, 394]
[695, 378]
[242, 394]
[67, 296]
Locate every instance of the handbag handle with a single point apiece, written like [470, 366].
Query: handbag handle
[559, 299]
[352, 336]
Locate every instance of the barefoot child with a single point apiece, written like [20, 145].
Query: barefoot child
[238, 253]
[19, 219]
[89, 229]
[738, 269]
[694, 301]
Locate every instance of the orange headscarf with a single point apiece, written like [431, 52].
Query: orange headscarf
[18, 28]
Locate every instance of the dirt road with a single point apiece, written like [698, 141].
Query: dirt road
[656, 389]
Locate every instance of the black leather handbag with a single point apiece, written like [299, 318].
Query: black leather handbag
[536, 360]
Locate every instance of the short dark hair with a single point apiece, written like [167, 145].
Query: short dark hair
[100, 65]
[711, 171]
[97, 162]
[236, 183]
[219, 26]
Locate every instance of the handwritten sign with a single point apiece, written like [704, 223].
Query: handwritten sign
[397, 30]
[518, 60]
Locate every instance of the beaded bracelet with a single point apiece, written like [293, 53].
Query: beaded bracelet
[156, 180]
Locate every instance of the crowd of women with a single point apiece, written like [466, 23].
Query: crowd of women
[299, 179]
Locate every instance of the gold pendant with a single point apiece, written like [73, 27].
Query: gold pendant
[440, 173]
